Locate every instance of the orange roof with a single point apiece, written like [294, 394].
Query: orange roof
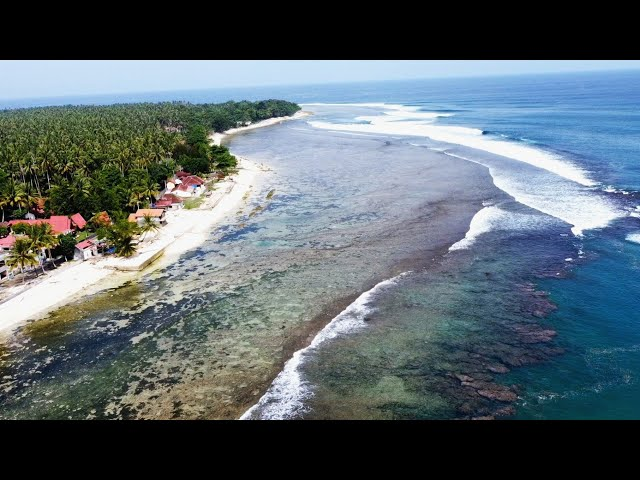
[152, 212]
[78, 220]
[132, 217]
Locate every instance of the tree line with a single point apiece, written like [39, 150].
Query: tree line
[116, 158]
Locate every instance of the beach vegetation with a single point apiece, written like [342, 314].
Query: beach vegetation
[115, 158]
[191, 203]
[66, 246]
[22, 256]
[121, 236]
[42, 238]
[148, 225]
[20, 228]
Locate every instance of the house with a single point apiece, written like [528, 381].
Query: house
[59, 223]
[192, 180]
[6, 244]
[184, 191]
[78, 221]
[169, 201]
[181, 174]
[157, 214]
[4, 270]
[190, 186]
[86, 249]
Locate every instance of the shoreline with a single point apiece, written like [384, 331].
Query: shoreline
[185, 230]
[217, 138]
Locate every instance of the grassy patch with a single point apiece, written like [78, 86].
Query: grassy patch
[270, 194]
[192, 203]
[83, 235]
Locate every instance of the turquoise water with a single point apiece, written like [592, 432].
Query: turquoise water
[535, 315]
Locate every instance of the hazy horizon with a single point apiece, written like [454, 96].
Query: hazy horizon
[62, 78]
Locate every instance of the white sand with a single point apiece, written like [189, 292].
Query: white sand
[217, 137]
[185, 230]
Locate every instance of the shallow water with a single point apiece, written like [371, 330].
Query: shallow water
[204, 337]
[532, 314]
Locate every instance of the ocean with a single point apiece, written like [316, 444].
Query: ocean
[456, 248]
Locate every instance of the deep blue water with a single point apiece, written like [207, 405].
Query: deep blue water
[591, 120]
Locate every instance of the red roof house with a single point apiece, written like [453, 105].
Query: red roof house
[171, 198]
[7, 242]
[85, 244]
[192, 180]
[60, 224]
[78, 221]
[182, 173]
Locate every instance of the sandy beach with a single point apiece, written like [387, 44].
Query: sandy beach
[185, 230]
[216, 138]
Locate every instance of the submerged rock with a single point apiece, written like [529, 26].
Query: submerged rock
[499, 393]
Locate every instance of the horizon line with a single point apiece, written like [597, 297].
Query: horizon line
[277, 85]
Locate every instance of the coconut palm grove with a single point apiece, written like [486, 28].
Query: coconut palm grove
[91, 160]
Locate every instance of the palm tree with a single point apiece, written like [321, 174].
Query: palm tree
[42, 237]
[125, 247]
[148, 225]
[37, 235]
[4, 201]
[15, 195]
[120, 235]
[149, 189]
[21, 255]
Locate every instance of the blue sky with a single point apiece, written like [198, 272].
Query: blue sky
[45, 78]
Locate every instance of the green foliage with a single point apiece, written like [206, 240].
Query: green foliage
[92, 158]
[191, 203]
[22, 255]
[197, 133]
[41, 236]
[120, 235]
[66, 246]
[148, 225]
[20, 228]
[197, 166]
[4, 231]
[222, 158]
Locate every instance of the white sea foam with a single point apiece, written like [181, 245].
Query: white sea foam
[402, 120]
[634, 237]
[285, 397]
[492, 218]
[571, 203]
